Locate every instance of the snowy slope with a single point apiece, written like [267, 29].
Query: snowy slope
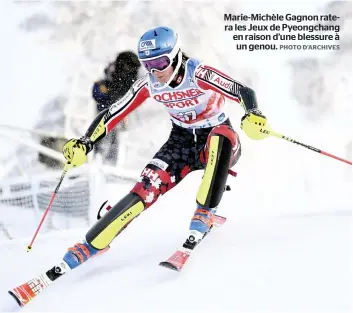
[287, 262]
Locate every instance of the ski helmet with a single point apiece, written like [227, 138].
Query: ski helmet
[158, 49]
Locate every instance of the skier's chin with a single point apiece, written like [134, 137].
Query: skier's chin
[164, 76]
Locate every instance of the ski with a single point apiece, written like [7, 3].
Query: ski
[177, 261]
[26, 292]
[29, 290]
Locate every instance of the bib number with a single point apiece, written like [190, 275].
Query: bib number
[188, 115]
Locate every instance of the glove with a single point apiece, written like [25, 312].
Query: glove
[253, 123]
[75, 151]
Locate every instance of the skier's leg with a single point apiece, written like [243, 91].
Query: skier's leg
[168, 167]
[155, 181]
[102, 233]
[221, 152]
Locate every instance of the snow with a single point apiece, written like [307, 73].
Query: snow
[287, 262]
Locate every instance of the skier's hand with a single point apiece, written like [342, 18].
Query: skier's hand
[75, 152]
[252, 122]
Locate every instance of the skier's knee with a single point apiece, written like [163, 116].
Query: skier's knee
[153, 183]
[227, 132]
[115, 219]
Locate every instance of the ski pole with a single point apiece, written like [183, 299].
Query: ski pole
[271, 132]
[66, 168]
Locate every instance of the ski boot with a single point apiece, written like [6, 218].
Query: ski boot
[200, 226]
[79, 254]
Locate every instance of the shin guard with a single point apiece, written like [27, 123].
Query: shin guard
[114, 221]
[214, 179]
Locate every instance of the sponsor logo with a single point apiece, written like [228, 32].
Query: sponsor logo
[148, 45]
[151, 174]
[222, 82]
[117, 105]
[178, 95]
[159, 163]
[99, 130]
[212, 157]
[265, 131]
[182, 104]
[125, 216]
[285, 138]
[188, 98]
[201, 72]
[221, 117]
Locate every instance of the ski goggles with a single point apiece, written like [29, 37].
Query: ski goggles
[157, 64]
